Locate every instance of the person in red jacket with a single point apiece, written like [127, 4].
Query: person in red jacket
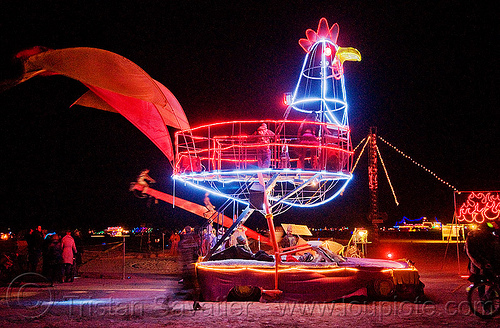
[68, 253]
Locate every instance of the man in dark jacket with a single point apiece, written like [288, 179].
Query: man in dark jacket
[35, 243]
[189, 250]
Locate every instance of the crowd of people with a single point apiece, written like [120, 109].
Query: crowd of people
[61, 255]
[192, 245]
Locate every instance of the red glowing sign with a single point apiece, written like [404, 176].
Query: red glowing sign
[477, 206]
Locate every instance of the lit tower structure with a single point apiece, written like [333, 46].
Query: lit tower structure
[321, 87]
[223, 157]
[268, 166]
[373, 215]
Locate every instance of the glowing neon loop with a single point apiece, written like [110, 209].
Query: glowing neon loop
[255, 146]
[341, 190]
[211, 125]
[271, 198]
[291, 173]
[324, 100]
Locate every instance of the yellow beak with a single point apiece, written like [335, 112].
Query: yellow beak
[348, 53]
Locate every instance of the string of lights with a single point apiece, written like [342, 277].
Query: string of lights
[359, 144]
[360, 154]
[387, 176]
[418, 164]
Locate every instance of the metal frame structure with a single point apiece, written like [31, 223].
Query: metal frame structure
[304, 162]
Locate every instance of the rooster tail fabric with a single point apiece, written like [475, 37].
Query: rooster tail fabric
[116, 84]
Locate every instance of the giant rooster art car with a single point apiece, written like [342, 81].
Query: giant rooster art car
[265, 166]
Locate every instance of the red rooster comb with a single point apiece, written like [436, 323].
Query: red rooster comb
[323, 32]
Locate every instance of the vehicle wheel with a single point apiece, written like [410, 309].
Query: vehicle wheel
[383, 289]
[413, 293]
[484, 300]
[244, 293]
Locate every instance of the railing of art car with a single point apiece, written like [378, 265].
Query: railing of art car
[235, 146]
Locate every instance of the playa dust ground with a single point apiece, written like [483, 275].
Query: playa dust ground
[147, 294]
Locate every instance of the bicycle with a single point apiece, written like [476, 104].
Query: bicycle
[484, 296]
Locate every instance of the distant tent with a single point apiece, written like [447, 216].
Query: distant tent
[116, 84]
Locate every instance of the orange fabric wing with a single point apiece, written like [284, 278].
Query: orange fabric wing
[142, 114]
[116, 84]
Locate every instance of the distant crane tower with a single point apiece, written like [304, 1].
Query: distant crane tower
[374, 216]
[373, 174]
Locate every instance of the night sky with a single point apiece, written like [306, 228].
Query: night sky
[428, 80]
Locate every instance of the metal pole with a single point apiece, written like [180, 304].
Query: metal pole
[455, 219]
[163, 242]
[272, 234]
[123, 276]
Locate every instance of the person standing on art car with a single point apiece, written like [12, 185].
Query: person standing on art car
[284, 160]
[68, 254]
[289, 240]
[264, 151]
